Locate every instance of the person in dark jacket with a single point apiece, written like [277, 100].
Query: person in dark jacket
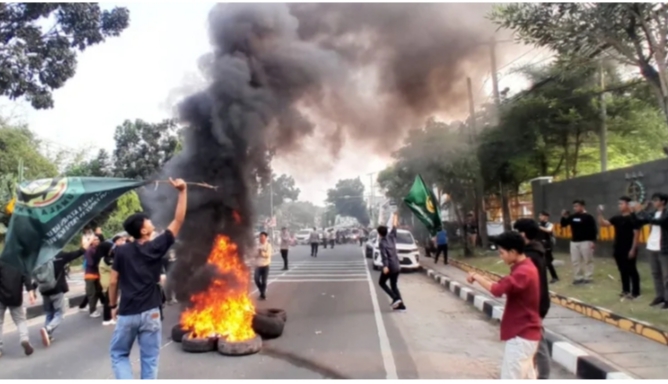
[391, 268]
[535, 251]
[12, 283]
[583, 240]
[92, 276]
[53, 300]
[657, 245]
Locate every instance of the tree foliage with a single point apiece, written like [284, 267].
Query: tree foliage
[35, 61]
[19, 143]
[347, 197]
[99, 166]
[125, 206]
[282, 188]
[142, 148]
[297, 215]
[632, 33]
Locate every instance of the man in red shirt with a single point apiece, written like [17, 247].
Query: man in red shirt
[521, 323]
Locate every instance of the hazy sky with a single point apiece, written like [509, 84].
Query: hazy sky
[133, 76]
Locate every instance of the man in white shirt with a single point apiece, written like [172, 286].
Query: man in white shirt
[262, 262]
[657, 246]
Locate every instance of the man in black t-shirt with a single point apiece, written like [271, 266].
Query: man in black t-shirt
[136, 272]
[625, 247]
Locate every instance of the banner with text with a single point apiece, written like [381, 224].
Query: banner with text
[49, 212]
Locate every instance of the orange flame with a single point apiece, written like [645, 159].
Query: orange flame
[225, 308]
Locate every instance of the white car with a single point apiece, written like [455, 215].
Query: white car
[367, 250]
[303, 236]
[407, 250]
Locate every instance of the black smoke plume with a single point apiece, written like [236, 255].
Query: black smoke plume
[352, 73]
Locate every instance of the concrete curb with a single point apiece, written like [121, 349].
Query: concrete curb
[573, 359]
[38, 310]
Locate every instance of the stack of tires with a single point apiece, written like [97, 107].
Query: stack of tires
[267, 324]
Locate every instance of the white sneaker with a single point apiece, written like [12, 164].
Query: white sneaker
[110, 322]
[83, 309]
[95, 315]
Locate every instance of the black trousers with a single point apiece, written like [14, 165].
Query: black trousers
[106, 309]
[628, 272]
[314, 249]
[284, 255]
[261, 276]
[550, 267]
[393, 290]
[444, 250]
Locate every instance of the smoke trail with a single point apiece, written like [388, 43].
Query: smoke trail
[278, 74]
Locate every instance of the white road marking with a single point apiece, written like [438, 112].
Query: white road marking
[315, 280]
[385, 347]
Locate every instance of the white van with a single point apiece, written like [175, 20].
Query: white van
[407, 250]
[302, 236]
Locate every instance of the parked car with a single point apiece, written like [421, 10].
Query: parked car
[407, 250]
[368, 246]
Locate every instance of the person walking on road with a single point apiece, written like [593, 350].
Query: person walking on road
[625, 246]
[387, 246]
[262, 262]
[657, 246]
[285, 246]
[12, 283]
[583, 241]
[535, 251]
[92, 276]
[105, 254]
[314, 238]
[332, 238]
[52, 285]
[441, 240]
[546, 236]
[520, 324]
[136, 270]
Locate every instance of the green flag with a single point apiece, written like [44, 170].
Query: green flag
[422, 202]
[49, 212]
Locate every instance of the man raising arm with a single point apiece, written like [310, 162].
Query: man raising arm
[136, 272]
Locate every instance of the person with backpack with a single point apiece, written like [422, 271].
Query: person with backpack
[52, 285]
[12, 283]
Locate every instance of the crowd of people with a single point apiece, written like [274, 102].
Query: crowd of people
[528, 251]
[125, 275]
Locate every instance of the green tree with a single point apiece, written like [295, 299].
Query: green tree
[99, 166]
[19, 143]
[283, 189]
[347, 197]
[297, 215]
[34, 61]
[126, 205]
[142, 148]
[633, 33]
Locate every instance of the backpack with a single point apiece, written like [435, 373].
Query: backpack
[45, 276]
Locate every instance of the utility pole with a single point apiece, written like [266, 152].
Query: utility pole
[505, 209]
[480, 199]
[271, 206]
[495, 78]
[21, 170]
[603, 135]
[371, 197]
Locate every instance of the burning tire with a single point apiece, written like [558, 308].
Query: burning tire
[198, 345]
[268, 327]
[178, 332]
[240, 348]
[275, 312]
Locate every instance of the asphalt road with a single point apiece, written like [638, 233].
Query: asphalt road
[339, 325]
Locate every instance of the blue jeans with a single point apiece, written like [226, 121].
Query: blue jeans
[54, 307]
[146, 327]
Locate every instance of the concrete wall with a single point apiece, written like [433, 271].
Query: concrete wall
[637, 182]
